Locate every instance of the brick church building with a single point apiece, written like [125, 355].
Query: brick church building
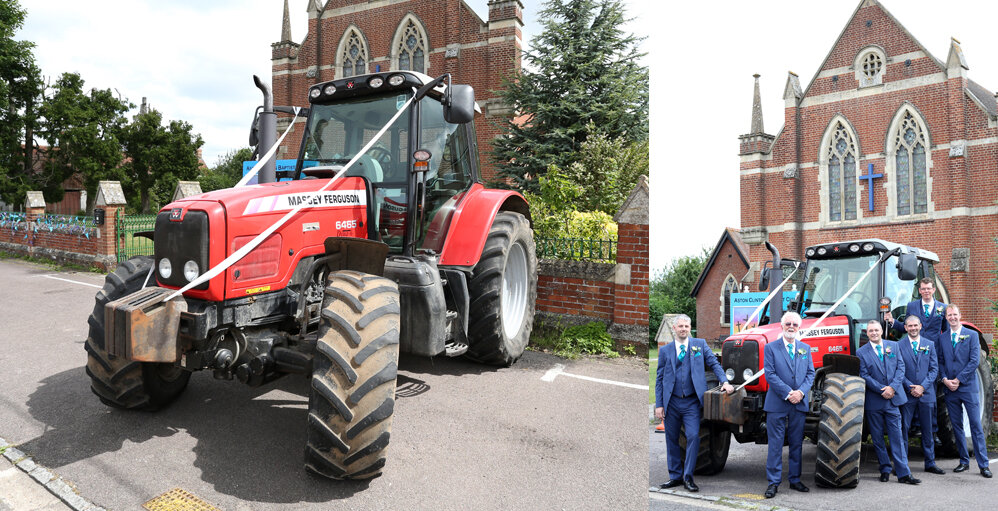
[352, 37]
[931, 135]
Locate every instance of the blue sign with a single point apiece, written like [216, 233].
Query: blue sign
[744, 304]
[281, 166]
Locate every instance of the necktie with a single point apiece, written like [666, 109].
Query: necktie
[953, 337]
[914, 347]
[926, 307]
[879, 354]
[790, 350]
[682, 352]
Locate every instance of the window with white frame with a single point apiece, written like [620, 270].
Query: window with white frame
[841, 156]
[910, 166]
[353, 54]
[410, 46]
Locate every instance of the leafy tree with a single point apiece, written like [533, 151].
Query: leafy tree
[607, 171]
[158, 157]
[227, 172]
[581, 69]
[554, 214]
[20, 89]
[669, 291]
[83, 133]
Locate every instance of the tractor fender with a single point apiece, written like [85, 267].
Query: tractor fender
[985, 341]
[471, 222]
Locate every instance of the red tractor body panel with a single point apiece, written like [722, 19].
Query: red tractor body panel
[465, 237]
[831, 337]
[247, 211]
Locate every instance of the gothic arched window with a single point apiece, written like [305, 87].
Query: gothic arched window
[841, 157]
[410, 46]
[353, 53]
[909, 144]
[730, 286]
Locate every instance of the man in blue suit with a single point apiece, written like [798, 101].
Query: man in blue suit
[959, 354]
[790, 373]
[679, 386]
[883, 370]
[920, 371]
[931, 312]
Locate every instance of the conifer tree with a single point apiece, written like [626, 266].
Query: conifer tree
[581, 70]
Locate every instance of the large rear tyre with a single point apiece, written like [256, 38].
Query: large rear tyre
[125, 383]
[985, 396]
[503, 290]
[352, 397]
[840, 432]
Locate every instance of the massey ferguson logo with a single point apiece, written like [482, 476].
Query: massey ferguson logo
[177, 214]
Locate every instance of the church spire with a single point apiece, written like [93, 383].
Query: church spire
[286, 26]
[756, 108]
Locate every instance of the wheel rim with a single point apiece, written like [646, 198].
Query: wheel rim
[514, 291]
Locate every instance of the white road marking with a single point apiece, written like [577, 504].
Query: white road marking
[73, 281]
[559, 369]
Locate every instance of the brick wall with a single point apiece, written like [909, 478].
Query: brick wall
[60, 239]
[577, 292]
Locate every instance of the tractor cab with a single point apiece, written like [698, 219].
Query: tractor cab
[417, 169]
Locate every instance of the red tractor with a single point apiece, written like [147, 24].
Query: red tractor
[835, 422]
[404, 251]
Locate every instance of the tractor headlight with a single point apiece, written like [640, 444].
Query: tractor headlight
[746, 374]
[375, 82]
[314, 93]
[329, 90]
[165, 268]
[395, 80]
[191, 271]
[729, 373]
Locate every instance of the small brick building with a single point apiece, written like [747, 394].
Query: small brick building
[928, 130]
[724, 273]
[352, 37]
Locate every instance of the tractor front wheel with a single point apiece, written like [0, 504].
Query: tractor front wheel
[125, 383]
[352, 397]
[503, 291]
[840, 432]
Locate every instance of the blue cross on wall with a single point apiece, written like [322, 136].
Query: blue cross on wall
[869, 177]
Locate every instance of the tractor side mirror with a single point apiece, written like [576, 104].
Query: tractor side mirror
[907, 267]
[460, 106]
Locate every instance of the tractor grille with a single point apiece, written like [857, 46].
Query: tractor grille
[740, 358]
[182, 241]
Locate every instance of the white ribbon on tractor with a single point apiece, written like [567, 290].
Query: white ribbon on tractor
[804, 333]
[778, 289]
[265, 158]
[245, 249]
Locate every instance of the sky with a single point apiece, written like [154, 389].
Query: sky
[194, 60]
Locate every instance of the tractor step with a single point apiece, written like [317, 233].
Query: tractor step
[455, 349]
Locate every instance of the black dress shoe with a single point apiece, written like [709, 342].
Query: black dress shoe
[986, 472]
[885, 476]
[961, 468]
[909, 480]
[690, 485]
[771, 490]
[799, 486]
[935, 470]
[671, 483]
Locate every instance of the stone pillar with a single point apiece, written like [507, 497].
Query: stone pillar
[186, 189]
[110, 198]
[34, 206]
[630, 314]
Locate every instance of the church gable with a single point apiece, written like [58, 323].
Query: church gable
[873, 49]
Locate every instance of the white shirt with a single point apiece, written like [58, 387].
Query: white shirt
[792, 345]
[915, 340]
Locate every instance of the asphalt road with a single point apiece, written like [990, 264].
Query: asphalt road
[743, 481]
[464, 435]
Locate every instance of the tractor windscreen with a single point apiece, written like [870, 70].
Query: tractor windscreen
[829, 279]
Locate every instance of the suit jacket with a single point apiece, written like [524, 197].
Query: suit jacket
[960, 362]
[784, 374]
[880, 374]
[932, 325]
[699, 358]
[922, 369]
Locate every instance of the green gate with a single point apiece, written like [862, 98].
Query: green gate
[127, 245]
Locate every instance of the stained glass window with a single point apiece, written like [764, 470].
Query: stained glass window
[910, 167]
[411, 49]
[354, 55]
[841, 175]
